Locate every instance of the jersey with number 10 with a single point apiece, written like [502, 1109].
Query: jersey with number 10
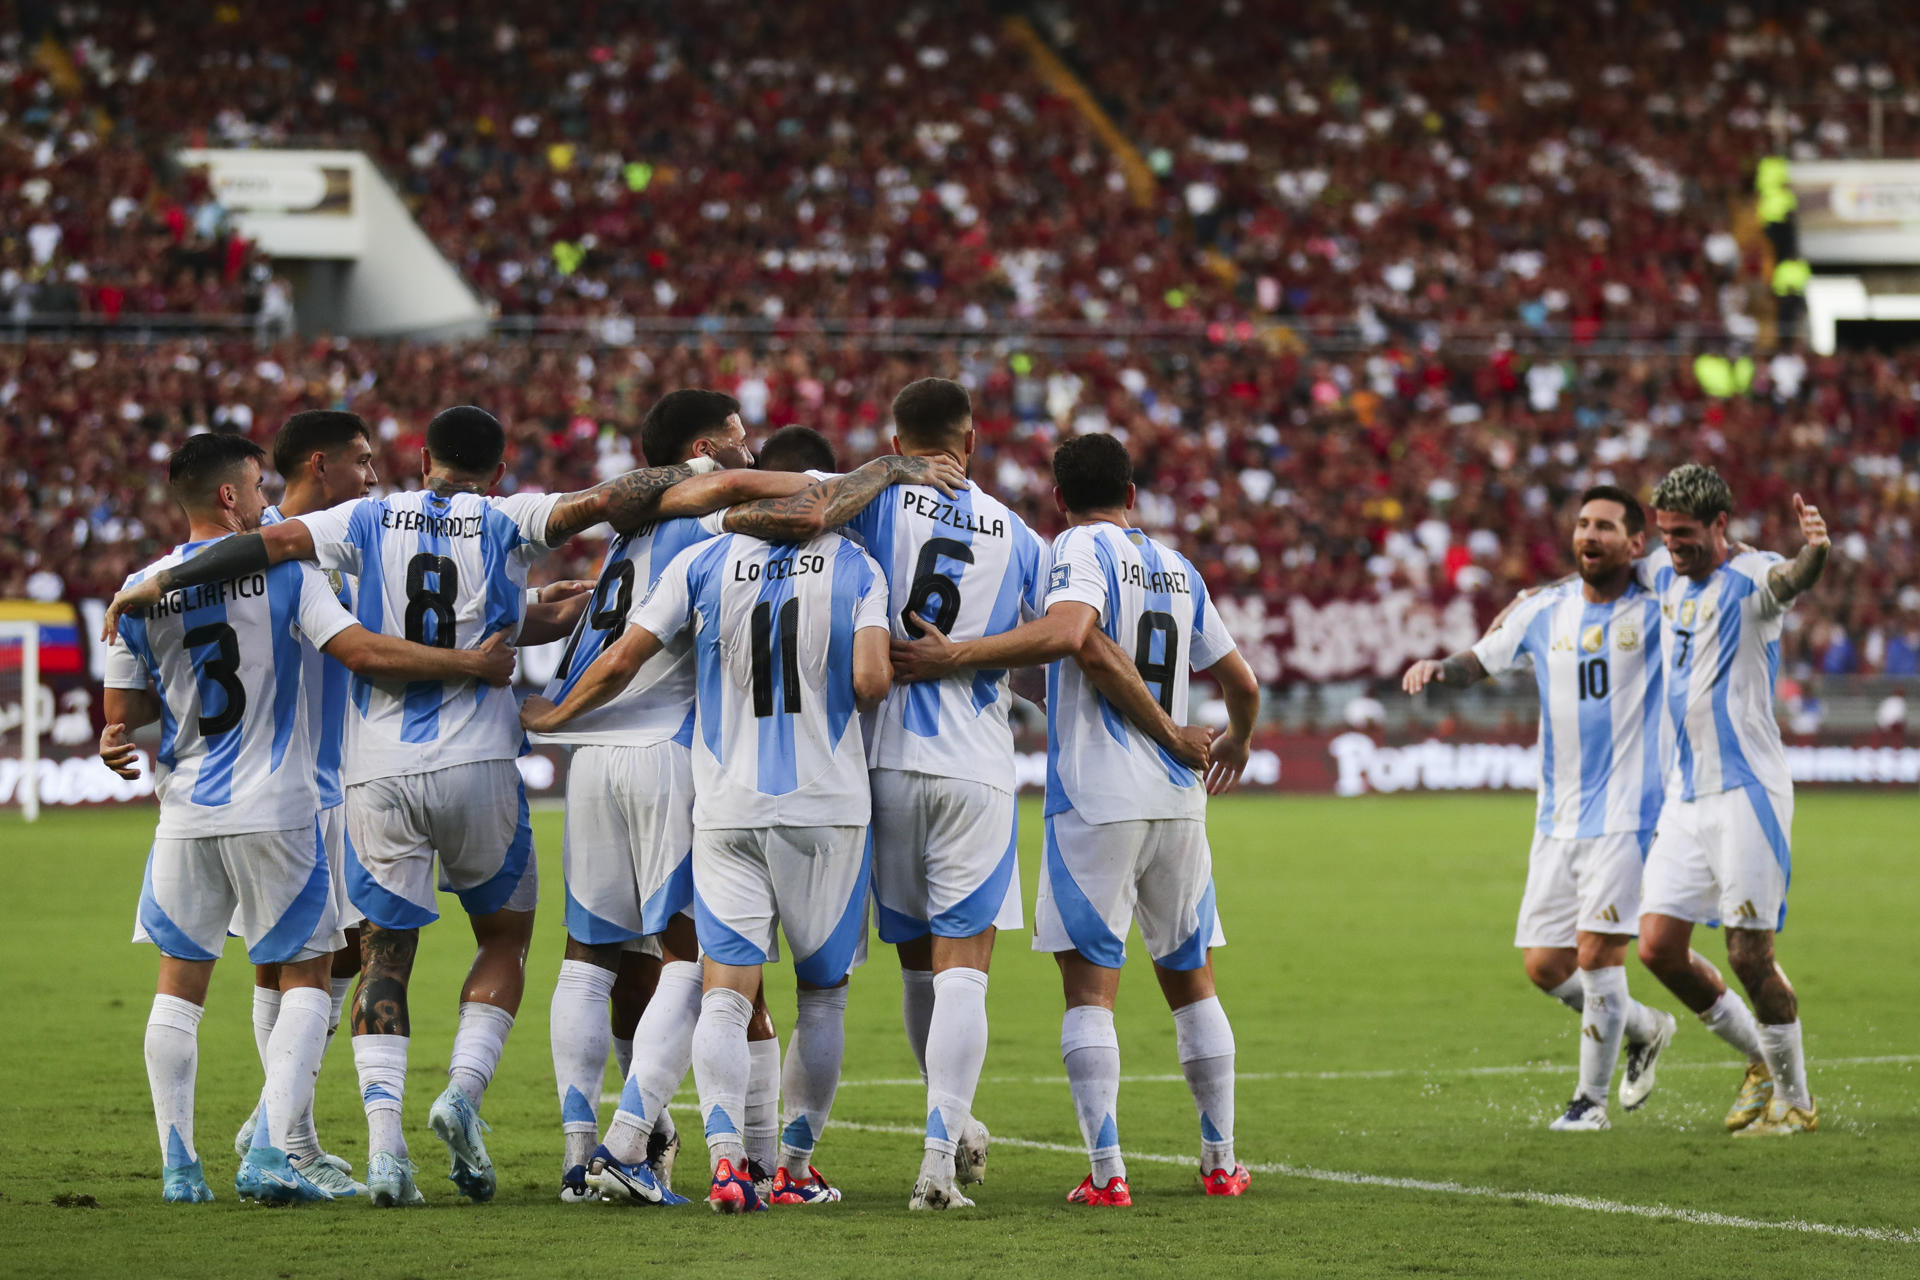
[776, 742]
[971, 568]
[233, 662]
[442, 571]
[1152, 602]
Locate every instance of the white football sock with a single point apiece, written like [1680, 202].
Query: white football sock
[173, 1059]
[305, 1138]
[810, 1076]
[623, 1056]
[477, 1046]
[1643, 1022]
[1205, 1042]
[266, 1009]
[666, 1033]
[1731, 1020]
[720, 1071]
[338, 991]
[1569, 993]
[293, 1063]
[957, 1050]
[1603, 1024]
[578, 1031]
[1091, 1052]
[1787, 1059]
[382, 1064]
[916, 1011]
[762, 1130]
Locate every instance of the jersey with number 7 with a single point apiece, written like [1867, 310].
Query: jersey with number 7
[1152, 602]
[776, 741]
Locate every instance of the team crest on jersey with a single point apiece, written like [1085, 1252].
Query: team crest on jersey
[335, 581]
[1062, 574]
[1593, 639]
[1686, 613]
[1626, 637]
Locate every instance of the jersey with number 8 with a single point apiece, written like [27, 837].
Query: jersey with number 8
[443, 571]
[776, 741]
[1152, 602]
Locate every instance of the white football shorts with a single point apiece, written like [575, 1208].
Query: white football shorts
[946, 857]
[809, 882]
[272, 887]
[1590, 885]
[1097, 878]
[628, 849]
[472, 816]
[1724, 859]
[333, 832]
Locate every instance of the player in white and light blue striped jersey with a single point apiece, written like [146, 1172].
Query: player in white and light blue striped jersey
[238, 842]
[1722, 855]
[1594, 643]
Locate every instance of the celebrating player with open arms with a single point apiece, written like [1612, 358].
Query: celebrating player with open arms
[1594, 642]
[239, 845]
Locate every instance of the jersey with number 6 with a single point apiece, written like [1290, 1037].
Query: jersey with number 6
[442, 571]
[1152, 602]
[1603, 748]
[776, 742]
[234, 663]
[972, 568]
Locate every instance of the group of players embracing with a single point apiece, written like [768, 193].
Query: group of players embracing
[786, 697]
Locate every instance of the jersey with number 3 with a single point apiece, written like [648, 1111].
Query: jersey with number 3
[1598, 667]
[442, 571]
[972, 568]
[776, 742]
[235, 665]
[1152, 602]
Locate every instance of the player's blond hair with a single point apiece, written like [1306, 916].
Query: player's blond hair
[1693, 489]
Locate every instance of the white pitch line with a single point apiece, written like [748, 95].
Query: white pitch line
[1698, 1217]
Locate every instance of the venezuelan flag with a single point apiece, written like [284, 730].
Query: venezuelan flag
[60, 652]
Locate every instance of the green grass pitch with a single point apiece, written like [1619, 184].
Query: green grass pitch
[1384, 1028]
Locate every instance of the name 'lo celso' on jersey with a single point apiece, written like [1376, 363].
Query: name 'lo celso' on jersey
[972, 568]
[234, 663]
[448, 571]
[657, 705]
[776, 740]
[1153, 603]
[1603, 747]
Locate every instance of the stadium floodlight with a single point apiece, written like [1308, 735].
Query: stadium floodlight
[27, 672]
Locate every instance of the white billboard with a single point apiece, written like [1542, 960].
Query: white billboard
[1858, 211]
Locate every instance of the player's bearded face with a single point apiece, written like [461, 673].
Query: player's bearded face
[1689, 541]
[1602, 547]
[729, 446]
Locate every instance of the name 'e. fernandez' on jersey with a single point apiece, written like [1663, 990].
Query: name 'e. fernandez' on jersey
[972, 568]
[1604, 747]
[436, 570]
[657, 705]
[1153, 603]
[327, 694]
[234, 662]
[776, 741]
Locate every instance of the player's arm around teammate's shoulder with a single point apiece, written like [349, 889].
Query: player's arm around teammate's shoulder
[231, 557]
[1800, 573]
[812, 510]
[626, 502]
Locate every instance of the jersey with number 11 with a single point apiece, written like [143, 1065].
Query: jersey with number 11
[447, 571]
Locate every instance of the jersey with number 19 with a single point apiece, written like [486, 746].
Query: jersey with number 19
[941, 751]
[1126, 835]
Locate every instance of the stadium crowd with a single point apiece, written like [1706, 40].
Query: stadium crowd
[1342, 478]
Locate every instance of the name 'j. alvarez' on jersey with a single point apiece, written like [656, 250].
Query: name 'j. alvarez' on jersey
[972, 568]
[437, 570]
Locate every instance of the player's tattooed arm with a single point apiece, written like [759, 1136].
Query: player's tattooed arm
[611, 672]
[1456, 672]
[832, 503]
[233, 557]
[1800, 573]
[386, 963]
[625, 502]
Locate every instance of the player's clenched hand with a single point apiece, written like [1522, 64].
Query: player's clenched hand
[118, 754]
[1813, 527]
[1420, 675]
[1228, 759]
[496, 660]
[537, 714]
[555, 592]
[136, 599]
[928, 658]
[1192, 745]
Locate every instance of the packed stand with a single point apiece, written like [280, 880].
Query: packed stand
[1284, 478]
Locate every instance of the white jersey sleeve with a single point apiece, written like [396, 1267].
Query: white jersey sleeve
[1504, 648]
[529, 513]
[322, 617]
[332, 548]
[1210, 642]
